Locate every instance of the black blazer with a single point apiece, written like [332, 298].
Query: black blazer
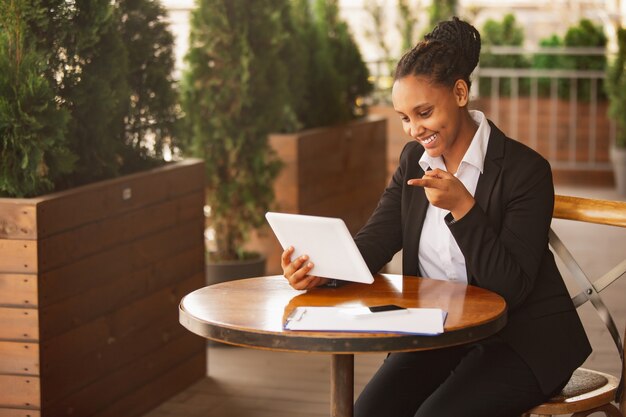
[504, 239]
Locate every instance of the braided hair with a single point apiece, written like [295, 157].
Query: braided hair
[449, 53]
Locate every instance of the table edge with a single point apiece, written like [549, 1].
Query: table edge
[301, 342]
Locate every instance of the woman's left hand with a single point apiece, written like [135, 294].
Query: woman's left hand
[445, 191]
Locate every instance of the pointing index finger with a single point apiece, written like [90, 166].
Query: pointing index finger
[431, 182]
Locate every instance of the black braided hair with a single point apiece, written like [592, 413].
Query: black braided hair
[449, 53]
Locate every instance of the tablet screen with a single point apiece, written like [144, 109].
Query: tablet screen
[326, 241]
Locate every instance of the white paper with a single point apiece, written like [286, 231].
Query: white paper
[424, 321]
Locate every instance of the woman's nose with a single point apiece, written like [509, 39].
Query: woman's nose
[415, 131]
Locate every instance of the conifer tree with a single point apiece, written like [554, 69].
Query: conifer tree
[340, 75]
[113, 114]
[33, 149]
[149, 123]
[87, 62]
[234, 93]
[97, 92]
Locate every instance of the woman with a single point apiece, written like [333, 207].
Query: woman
[470, 205]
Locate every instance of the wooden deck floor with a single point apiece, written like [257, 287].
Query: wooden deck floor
[254, 383]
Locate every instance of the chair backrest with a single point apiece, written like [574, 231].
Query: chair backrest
[606, 212]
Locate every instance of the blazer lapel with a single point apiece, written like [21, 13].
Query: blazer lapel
[416, 205]
[417, 212]
[491, 169]
[489, 177]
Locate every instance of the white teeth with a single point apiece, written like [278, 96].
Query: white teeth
[429, 139]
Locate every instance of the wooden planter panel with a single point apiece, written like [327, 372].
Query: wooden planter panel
[19, 391]
[19, 358]
[18, 290]
[336, 172]
[97, 305]
[8, 412]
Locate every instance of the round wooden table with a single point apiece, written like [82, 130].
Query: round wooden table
[251, 313]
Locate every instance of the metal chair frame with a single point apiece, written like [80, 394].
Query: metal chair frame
[602, 212]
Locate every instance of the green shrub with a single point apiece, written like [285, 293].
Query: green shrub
[115, 111]
[585, 34]
[234, 93]
[336, 76]
[550, 61]
[33, 150]
[504, 33]
[150, 122]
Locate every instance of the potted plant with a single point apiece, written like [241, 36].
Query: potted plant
[234, 92]
[334, 144]
[99, 237]
[616, 90]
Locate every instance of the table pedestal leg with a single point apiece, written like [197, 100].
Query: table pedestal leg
[342, 385]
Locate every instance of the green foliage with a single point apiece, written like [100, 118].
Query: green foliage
[616, 89]
[255, 68]
[338, 75]
[407, 23]
[377, 32]
[97, 93]
[106, 66]
[152, 109]
[33, 148]
[585, 34]
[234, 92]
[320, 91]
[504, 33]
[441, 10]
[551, 61]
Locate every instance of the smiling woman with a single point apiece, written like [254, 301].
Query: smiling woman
[466, 204]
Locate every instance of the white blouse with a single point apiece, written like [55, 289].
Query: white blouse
[439, 254]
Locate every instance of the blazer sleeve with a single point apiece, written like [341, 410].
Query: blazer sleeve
[381, 237]
[506, 258]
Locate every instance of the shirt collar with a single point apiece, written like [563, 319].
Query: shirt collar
[475, 154]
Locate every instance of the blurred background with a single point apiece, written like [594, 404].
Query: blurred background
[143, 142]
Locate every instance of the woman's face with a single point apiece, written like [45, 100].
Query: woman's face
[431, 113]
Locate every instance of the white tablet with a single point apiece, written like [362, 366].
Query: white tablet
[326, 241]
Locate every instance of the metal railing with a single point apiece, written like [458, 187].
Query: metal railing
[568, 125]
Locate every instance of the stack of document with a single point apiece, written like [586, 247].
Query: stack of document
[422, 321]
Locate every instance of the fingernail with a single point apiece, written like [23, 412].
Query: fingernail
[310, 265]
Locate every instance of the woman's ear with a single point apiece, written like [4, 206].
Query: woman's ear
[461, 93]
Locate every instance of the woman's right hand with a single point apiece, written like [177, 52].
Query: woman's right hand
[297, 271]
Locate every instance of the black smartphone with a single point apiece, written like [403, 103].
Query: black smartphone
[386, 307]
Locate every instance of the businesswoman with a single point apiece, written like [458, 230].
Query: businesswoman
[466, 204]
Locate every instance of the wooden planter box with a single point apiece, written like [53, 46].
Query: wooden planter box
[336, 171]
[90, 281]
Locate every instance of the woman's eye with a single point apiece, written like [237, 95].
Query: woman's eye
[426, 113]
[405, 119]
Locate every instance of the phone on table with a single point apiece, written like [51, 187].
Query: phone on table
[375, 311]
[386, 308]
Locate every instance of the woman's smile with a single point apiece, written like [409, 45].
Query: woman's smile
[429, 141]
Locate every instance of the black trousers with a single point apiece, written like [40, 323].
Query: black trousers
[484, 379]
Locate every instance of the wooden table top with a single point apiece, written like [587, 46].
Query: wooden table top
[251, 313]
